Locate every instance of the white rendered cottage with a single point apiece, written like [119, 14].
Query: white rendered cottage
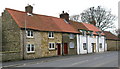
[90, 39]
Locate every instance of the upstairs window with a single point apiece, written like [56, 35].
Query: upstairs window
[51, 46]
[50, 35]
[29, 33]
[84, 33]
[84, 46]
[30, 48]
[99, 33]
[91, 33]
[71, 36]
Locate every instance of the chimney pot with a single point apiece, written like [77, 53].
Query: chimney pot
[62, 11]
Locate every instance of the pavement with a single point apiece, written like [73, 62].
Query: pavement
[69, 61]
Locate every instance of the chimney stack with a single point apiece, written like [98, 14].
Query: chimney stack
[64, 16]
[29, 9]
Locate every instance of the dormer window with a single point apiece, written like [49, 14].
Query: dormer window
[91, 33]
[84, 33]
[99, 33]
[50, 34]
[29, 34]
[71, 36]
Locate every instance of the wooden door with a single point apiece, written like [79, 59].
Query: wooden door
[93, 47]
[59, 49]
[65, 48]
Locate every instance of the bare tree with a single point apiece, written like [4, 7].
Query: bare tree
[75, 18]
[99, 16]
[118, 32]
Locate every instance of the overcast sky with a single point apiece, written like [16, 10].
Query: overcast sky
[55, 7]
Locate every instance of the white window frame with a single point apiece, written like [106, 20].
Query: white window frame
[72, 45]
[51, 34]
[31, 34]
[30, 48]
[52, 47]
[71, 36]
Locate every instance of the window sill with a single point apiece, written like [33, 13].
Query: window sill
[30, 37]
[31, 52]
[71, 38]
[52, 49]
[51, 37]
[72, 48]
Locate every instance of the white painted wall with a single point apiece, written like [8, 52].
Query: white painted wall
[82, 39]
[91, 40]
[102, 40]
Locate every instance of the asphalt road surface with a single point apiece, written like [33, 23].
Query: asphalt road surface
[106, 59]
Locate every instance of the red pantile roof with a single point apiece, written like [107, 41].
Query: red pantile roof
[110, 36]
[40, 22]
[85, 26]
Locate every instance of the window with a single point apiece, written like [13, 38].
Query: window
[71, 44]
[29, 34]
[50, 34]
[84, 33]
[99, 33]
[84, 46]
[100, 45]
[51, 46]
[91, 33]
[71, 36]
[30, 48]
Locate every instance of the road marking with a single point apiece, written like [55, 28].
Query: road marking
[80, 62]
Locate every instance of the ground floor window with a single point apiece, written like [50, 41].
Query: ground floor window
[71, 44]
[51, 46]
[100, 45]
[30, 48]
[84, 46]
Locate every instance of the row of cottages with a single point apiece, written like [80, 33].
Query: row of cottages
[27, 35]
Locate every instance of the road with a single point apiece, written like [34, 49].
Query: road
[106, 59]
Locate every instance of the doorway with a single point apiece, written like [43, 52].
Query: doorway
[93, 47]
[58, 48]
[65, 48]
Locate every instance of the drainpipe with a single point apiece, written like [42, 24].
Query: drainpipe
[87, 42]
[116, 45]
[98, 43]
[104, 43]
[79, 42]
[62, 44]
